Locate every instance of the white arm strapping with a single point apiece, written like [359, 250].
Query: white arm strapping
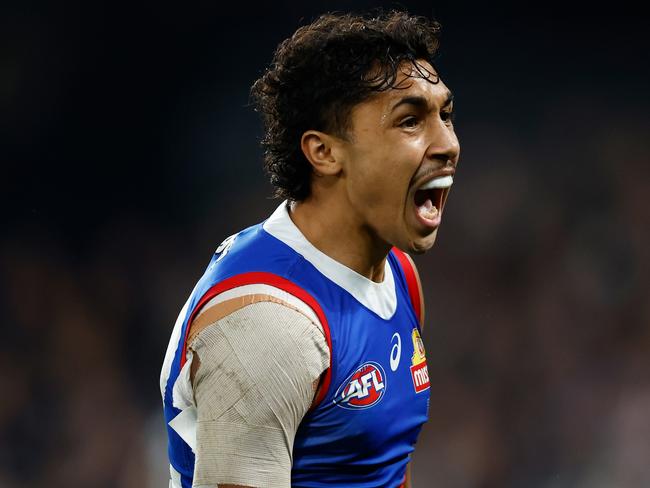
[252, 389]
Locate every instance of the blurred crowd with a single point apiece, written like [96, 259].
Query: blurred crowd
[537, 332]
[539, 313]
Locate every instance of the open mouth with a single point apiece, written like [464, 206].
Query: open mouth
[430, 199]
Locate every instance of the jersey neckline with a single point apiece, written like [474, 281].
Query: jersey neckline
[378, 297]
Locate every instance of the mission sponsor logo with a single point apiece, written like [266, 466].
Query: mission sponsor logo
[419, 371]
[363, 388]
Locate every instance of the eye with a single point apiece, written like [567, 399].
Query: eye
[409, 122]
[447, 116]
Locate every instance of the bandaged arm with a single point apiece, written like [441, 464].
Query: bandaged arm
[254, 377]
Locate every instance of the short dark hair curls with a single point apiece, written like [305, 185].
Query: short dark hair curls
[320, 73]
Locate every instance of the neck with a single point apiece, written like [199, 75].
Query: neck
[331, 227]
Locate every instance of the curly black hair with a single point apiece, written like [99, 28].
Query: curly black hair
[321, 72]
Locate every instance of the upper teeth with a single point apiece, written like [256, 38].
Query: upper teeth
[441, 182]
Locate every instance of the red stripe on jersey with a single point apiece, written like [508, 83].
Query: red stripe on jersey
[411, 282]
[262, 278]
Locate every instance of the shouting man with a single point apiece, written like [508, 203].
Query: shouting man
[297, 360]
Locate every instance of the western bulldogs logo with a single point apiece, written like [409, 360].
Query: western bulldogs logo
[225, 246]
[419, 371]
[363, 388]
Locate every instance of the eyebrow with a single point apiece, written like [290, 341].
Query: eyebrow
[421, 102]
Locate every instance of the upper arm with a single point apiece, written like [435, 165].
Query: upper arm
[252, 387]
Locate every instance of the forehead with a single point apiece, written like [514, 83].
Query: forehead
[419, 79]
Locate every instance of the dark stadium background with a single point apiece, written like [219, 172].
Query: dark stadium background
[129, 152]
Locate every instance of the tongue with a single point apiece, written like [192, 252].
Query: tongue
[427, 210]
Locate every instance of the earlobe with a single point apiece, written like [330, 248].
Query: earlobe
[320, 150]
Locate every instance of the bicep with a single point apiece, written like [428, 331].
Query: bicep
[252, 388]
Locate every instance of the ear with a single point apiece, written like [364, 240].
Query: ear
[321, 151]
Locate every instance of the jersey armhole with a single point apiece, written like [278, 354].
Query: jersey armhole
[412, 283]
[278, 282]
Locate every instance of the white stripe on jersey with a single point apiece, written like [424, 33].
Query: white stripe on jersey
[174, 478]
[171, 348]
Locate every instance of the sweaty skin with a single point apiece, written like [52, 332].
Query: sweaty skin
[362, 200]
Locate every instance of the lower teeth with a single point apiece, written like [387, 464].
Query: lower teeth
[427, 210]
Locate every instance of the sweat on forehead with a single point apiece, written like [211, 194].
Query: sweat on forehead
[386, 76]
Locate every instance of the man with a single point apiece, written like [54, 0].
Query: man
[297, 360]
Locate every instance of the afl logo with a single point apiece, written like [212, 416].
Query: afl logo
[363, 388]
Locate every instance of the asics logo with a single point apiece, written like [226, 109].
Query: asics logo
[395, 351]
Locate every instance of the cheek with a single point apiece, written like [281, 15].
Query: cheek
[381, 171]
[369, 186]
[367, 172]
[404, 159]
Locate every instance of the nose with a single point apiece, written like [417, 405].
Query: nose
[443, 143]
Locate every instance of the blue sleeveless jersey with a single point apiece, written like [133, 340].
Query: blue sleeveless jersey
[374, 397]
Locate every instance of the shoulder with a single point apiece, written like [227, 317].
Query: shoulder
[263, 332]
[242, 298]
[269, 314]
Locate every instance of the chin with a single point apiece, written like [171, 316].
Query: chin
[420, 245]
